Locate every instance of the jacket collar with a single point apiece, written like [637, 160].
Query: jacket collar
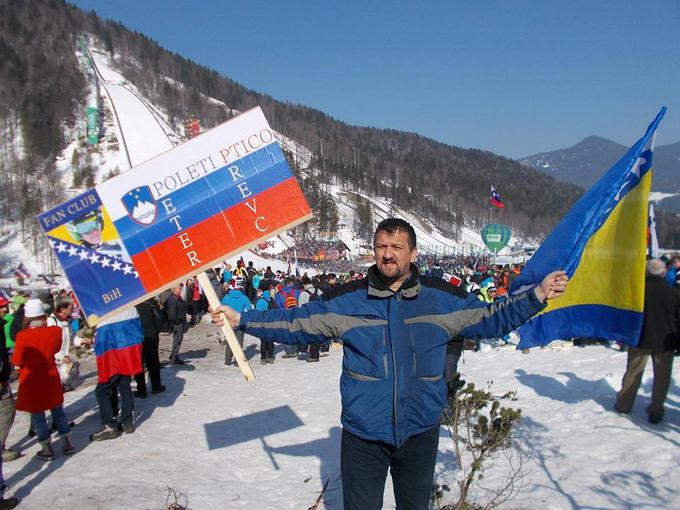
[378, 289]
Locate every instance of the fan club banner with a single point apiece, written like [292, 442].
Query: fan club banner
[175, 215]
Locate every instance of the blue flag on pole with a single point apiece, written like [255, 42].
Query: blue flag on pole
[601, 243]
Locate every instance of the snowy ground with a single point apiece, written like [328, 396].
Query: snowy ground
[272, 443]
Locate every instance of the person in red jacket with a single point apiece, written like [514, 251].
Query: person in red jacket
[39, 384]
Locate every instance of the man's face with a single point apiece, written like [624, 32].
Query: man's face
[177, 290]
[65, 312]
[393, 255]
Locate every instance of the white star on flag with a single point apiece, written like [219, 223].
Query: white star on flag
[83, 254]
[106, 262]
[136, 274]
[72, 251]
[61, 247]
[115, 266]
[94, 258]
[127, 269]
[53, 242]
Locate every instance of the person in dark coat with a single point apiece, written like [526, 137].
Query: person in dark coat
[659, 338]
[177, 315]
[150, 315]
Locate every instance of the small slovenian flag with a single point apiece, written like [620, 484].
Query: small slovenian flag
[495, 198]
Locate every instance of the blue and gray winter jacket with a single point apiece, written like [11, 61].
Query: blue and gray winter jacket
[394, 343]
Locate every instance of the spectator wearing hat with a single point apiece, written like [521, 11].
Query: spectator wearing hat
[237, 300]
[39, 384]
[265, 301]
[288, 297]
[488, 293]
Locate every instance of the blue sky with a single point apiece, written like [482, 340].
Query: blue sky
[513, 77]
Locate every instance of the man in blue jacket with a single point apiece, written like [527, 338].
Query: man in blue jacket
[394, 325]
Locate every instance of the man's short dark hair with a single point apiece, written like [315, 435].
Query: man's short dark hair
[392, 225]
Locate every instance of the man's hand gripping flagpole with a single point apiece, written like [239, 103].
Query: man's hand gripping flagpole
[236, 349]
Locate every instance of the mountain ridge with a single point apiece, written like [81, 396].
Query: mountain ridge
[586, 161]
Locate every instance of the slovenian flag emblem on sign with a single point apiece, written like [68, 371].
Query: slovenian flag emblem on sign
[495, 198]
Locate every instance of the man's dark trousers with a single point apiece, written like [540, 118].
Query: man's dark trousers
[178, 331]
[151, 362]
[104, 391]
[364, 466]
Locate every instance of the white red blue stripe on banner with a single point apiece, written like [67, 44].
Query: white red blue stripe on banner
[175, 215]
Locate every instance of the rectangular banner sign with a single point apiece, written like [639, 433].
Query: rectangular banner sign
[175, 215]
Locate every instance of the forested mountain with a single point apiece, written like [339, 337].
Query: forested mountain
[43, 94]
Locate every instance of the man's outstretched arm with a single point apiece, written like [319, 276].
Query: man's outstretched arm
[304, 325]
[480, 320]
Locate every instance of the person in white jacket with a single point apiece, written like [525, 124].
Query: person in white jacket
[69, 371]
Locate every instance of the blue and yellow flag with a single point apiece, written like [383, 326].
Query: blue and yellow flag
[601, 243]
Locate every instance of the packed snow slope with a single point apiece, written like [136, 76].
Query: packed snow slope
[272, 443]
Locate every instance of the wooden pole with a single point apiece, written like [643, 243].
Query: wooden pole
[236, 349]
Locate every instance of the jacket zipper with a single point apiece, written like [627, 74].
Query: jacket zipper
[413, 351]
[394, 376]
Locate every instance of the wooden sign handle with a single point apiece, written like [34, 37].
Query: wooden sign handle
[236, 349]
